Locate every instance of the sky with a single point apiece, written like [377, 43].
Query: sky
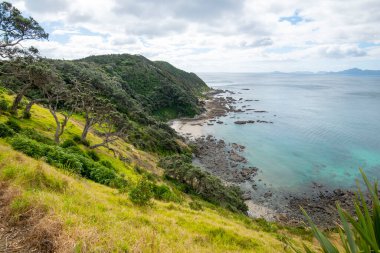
[215, 35]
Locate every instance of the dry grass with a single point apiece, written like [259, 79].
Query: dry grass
[27, 227]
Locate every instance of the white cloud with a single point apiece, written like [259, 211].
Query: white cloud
[220, 35]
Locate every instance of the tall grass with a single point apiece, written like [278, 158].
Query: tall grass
[359, 232]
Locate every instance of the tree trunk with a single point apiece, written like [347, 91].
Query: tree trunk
[63, 124]
[58, 126]
[29, 106]
[86, 128]
[104, 143]
[18, 98]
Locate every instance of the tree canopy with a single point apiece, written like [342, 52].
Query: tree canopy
[15, 28]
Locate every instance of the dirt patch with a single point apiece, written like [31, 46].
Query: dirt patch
[29, 229]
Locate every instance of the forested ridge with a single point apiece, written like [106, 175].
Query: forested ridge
[140, 93]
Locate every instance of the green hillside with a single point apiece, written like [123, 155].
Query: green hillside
[44, 188]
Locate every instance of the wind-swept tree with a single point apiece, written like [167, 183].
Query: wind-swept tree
[114, 126]
[62, 99]
[15, 28]
[95, 110]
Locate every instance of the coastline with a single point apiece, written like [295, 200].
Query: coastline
[224, 160]
[227, 161]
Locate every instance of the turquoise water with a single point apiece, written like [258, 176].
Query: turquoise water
[324, 126]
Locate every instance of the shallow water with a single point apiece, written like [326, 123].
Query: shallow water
[324, 127]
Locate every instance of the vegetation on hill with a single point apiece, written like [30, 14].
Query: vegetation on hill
[75, 175]
[78, 210]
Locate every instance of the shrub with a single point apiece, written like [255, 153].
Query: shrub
[68, 143]
[5, 131]
[195, 205]
[141, 193]
[85, 143]
[77, 138]
[26, 115]
[107, 164]
[3, 105]
[29, 147]
[93, 155]
[163, 192]
[14, 125]
[209, 187]
[69, 160]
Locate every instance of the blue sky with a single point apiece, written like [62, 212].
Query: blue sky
[217, 35]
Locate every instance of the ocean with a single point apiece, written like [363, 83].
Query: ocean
[325, 127]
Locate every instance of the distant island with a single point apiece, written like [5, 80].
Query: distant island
[352, 71]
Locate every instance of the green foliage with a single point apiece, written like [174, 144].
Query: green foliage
[13, 125]
[107, 164]
[209, 187]
[34, 135]
[3, 105]
[6, 131]
[93, 155]
[164, 193]
[142, 193]
[358, 233]
[68, 143]
[195, 205]
[69, 160]
[77, 138]
[16, 28]
[143, 91]
[26, 115]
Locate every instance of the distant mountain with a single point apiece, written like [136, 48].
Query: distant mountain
[356, 71]
[353, 71]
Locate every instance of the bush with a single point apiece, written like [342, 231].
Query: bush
[14, 125]
[93, 155]
[3, 105]
[26, 115]
[195, 205]
[69, 160]
[163, 192]
[107, 164]
[68, 143]
[209, 187]
[5, 131]
[77, 138]
[141, 193]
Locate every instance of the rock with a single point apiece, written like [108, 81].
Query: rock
[237, 158]
[240, 122]
[219, 122]
[246, 196]
[268, 194]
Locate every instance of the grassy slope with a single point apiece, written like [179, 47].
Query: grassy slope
[97, 218]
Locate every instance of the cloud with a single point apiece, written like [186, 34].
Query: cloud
[43, 6]
[195, 10]
[257, 43]
[217, 35]
[342, 51]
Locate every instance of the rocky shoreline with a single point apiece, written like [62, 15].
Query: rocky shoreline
[227, 161]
